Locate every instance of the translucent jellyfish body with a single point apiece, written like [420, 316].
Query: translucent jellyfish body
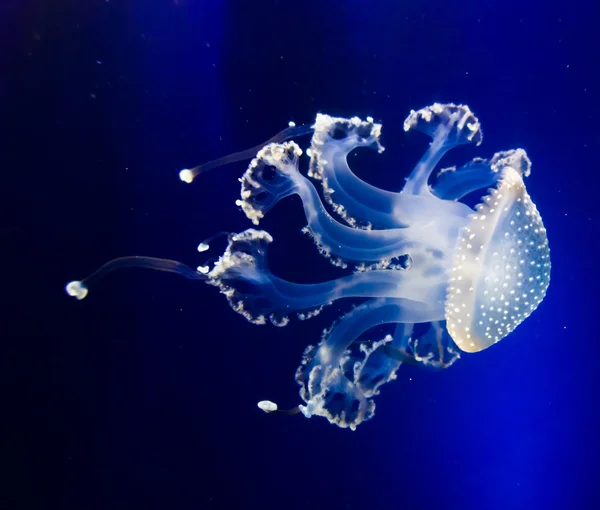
[446, 278]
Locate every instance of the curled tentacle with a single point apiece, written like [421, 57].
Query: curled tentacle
[357, 202]
[428, 345]
[243, 276]
[369, 365]
[269, 178]
[433, 347]
[455, 183]
[336, 385]
[449, 125]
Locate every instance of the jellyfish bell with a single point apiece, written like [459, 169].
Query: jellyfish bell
[501, 266]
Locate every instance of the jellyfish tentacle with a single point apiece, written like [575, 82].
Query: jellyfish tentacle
[187, 175]
[271, 176]
[373, 366]
[449, 126]
[359, 203]
[243, 276]
[79, 288]
[334, 239]
[323, 375]
[454, 184]
[343, 243]
[435, 348]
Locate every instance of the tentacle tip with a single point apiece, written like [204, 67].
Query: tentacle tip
[291, 123]
[267, 406]
[203, 247]
[76, 289]
[203, 269]
[186, 175]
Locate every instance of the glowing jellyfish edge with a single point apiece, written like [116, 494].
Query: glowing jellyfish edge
[445, 277]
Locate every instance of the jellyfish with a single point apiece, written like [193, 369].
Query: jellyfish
[444, 277]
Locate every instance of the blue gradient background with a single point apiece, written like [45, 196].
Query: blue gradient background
[144, 395]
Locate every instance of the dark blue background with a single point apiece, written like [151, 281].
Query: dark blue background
[144, 395]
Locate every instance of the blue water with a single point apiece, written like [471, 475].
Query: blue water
[144, 395]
